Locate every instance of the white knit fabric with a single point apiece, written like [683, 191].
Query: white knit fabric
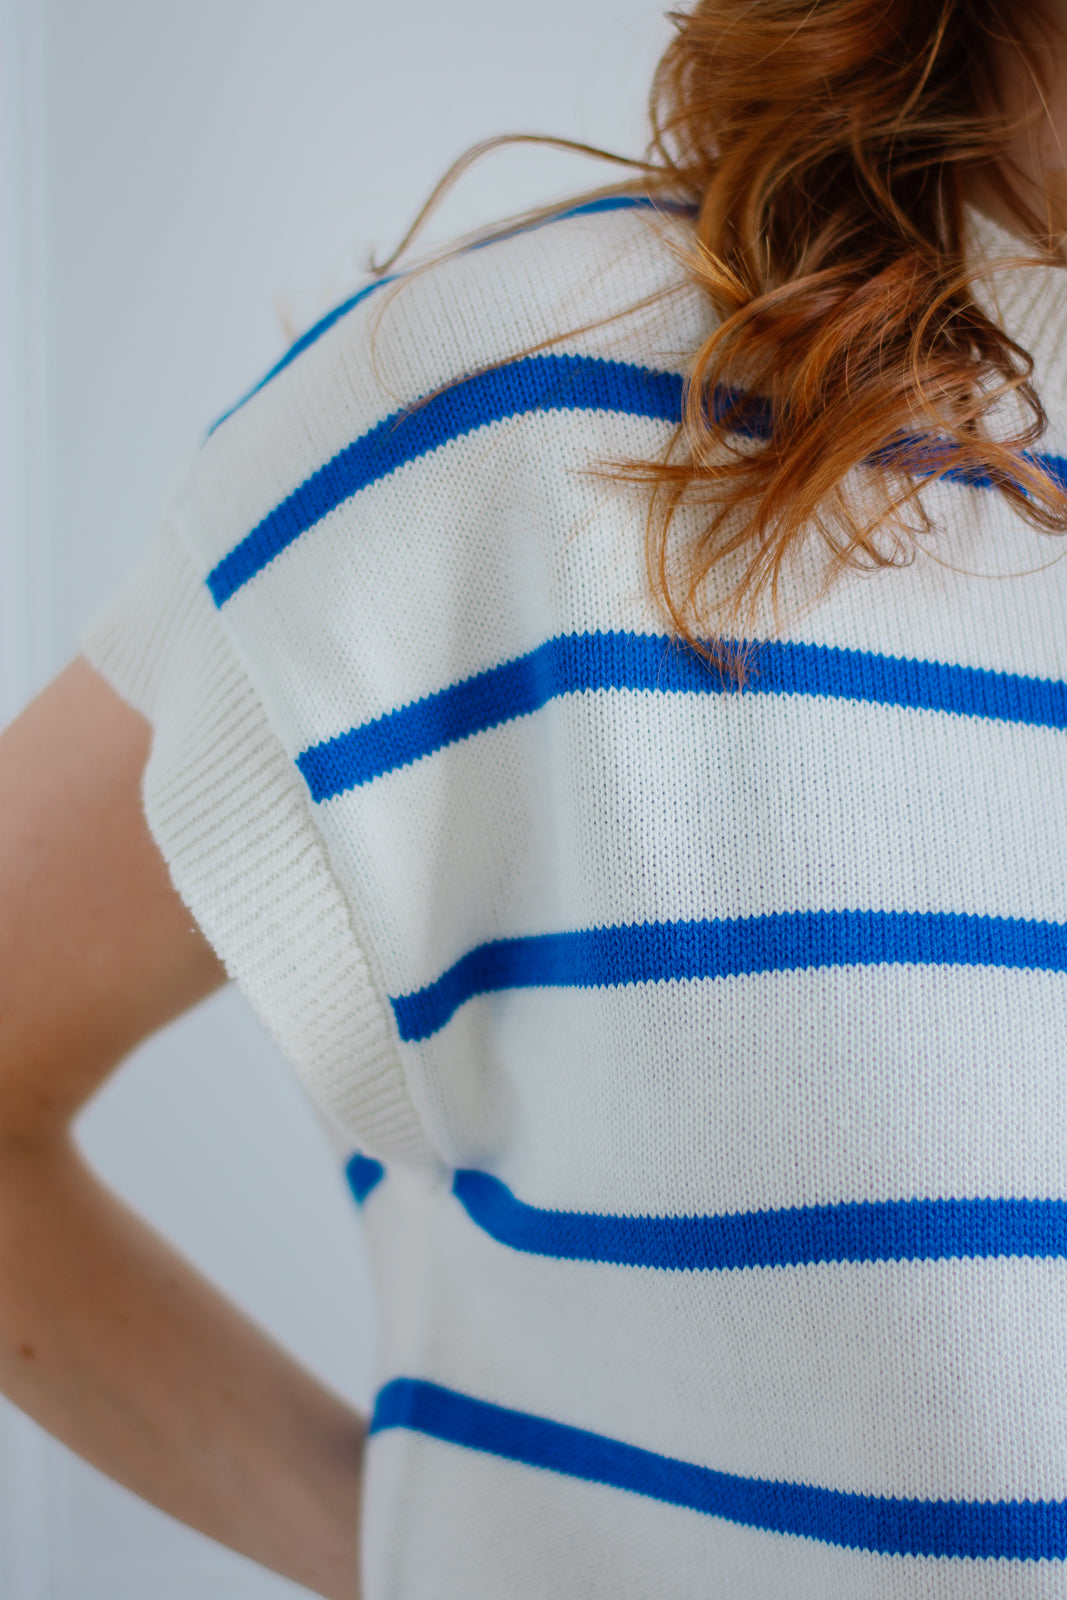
[712, 1043]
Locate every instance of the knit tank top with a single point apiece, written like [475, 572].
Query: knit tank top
[700, 1054]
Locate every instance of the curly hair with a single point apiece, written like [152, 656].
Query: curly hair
[826, 147]
[827, 150]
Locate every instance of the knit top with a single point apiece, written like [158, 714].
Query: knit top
[700, 1052]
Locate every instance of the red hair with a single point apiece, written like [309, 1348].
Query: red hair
[826, 146]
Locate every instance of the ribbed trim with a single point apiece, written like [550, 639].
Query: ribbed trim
[231, 816]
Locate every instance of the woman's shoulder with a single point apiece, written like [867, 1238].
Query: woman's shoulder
[599, 281]
[559, 276]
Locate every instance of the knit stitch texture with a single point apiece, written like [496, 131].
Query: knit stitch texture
[700, 1050]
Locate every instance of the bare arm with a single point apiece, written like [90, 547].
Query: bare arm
[107, 1336]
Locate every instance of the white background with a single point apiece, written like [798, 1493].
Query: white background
[178, 183]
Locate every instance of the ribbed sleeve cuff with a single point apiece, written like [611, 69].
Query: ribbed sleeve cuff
[230, 814]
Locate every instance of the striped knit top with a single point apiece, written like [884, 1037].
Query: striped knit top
[702, 1054]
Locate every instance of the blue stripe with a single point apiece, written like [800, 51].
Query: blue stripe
[782, 941]
[305, 341]
[866, 1230]
[363, 1174]
[314, 333]
[920, 454]
[591, 208]
[618, 202]
[575, 663]
[535, 383]
[538, 383]
[1015, 1530]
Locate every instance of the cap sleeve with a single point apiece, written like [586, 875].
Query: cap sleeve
[230, 815]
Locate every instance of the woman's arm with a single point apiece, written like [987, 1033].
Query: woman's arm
[107, 1336]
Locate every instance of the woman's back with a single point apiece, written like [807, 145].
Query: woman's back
[699, 1043]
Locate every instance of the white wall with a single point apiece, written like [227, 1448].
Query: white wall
[172, 178]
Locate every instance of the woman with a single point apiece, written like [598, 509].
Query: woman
[698, 1005]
